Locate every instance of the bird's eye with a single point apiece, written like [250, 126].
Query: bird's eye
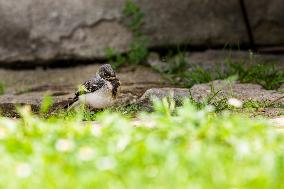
[106, 75]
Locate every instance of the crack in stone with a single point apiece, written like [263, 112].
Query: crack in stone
[83, 26]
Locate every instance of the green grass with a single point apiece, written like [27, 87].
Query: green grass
[135, 16]
[115, 58]
[130, 110]
[267, 75]
[249, 107]
[2, 88]
[137, 48]
[181, 72]
[170, 148]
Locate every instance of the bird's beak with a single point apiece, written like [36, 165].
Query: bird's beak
[116, 80]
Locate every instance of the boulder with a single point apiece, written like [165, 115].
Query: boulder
[37, 32]
[268, 103]
[193, 22]
[241, 91]
[267, 21]
[177, 94]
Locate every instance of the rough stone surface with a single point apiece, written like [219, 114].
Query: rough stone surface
[237, 90]
[34, 30]
[243, 92]
[267, 21]
[281, 88]
[194, 22]
[154, 61]
[271, 112]
[30, 86]
[178, 94]
[53, 29]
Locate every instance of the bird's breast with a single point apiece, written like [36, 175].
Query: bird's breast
[98, 99]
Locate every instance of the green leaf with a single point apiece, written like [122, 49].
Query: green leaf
[46, 104]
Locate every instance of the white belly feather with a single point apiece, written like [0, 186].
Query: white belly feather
[97, 99]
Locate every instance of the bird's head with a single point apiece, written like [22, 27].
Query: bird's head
[106, 72]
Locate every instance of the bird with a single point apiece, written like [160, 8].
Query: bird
[98, 92]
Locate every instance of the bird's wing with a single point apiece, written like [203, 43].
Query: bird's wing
[89, 86]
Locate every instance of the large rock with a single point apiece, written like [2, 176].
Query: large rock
[267, 21]
[55, 29]
[33, 30]
[242, 91]
[176, 94]
[194, 22]
[269, 102]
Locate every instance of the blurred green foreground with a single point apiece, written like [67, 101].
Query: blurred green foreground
[186, 148]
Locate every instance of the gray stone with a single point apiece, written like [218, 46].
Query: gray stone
[155, 62]
[178, 94]
[243, 92]
[194, 22]
[53, 29]
[272, 112]
[28, 87]
[41, 31]
[8, 103]
[267, 21]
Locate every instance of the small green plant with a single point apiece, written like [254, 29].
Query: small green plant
[178, 64]
[2, 88]
[220, 103]
[135, 17]
[181, 72]
[46, 104]
[137, 49]
[130, 110]
[115, 58]
[266, 75]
